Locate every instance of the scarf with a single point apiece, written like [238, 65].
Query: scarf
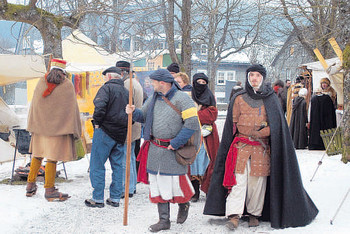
[263, 92]
[50, 87]
[201, 94]
[149, 114]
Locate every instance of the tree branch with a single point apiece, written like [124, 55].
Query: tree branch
[32, 3]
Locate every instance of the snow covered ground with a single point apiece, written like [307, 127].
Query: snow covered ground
[20, 214]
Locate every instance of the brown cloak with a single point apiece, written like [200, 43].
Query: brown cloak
[54, 122]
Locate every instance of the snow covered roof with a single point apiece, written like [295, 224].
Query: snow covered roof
[235, 57]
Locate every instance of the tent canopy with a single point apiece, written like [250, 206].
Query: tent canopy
[83, 54]
[17, 68]
[334, 73]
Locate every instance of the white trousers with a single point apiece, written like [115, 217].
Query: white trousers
[249, 190]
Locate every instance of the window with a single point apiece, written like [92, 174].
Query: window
[204, 49]
[161, 45]
[231, 75]
[138, 46]
[220, 78]
[150, 66]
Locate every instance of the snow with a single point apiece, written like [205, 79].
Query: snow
[20, 214]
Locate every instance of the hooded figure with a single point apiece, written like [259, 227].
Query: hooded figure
[207, 114]
[298, 121]
[286, 203]
[322, 117]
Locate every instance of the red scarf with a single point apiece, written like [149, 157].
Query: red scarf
[231, 160]
[50, 87]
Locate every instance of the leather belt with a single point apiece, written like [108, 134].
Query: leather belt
[160, 142]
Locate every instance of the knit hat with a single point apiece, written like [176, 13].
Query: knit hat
[58, 64]
[174, 67]
[162, 75]
[257, 68]
[112, 70]
[325, 80]
[123, 65]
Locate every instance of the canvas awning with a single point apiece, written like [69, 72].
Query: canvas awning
[334, 73]
[15, 68]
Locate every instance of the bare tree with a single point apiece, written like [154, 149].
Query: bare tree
[169, 26]
[344, 7]
[184, 26]
[314, 22]
[48, 23]
[226, 27]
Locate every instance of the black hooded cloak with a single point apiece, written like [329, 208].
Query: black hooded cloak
[298, 122]
[322, 117]
[201, 93]
[287, 204]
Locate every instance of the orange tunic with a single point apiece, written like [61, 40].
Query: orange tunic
[248, 121]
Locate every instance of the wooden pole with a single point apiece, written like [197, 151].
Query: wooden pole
[49, 65]
[128, 155]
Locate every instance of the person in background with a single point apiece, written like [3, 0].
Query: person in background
[165, 131]
[293, 92]
[147, 87]
[328, 89]
[278, 87]
[298, 123]
[173, 69]
[238, 87]
[256, 167]
[184, 81]
[110, 129]
[288, 83]
[53, 134]
[207, 114]
[198, 168]
[137, 97]
[322, 117]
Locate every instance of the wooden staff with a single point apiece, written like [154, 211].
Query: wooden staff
[128, 155]
[49, 65]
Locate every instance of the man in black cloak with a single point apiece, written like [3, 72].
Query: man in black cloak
[298, 121]
[322, 117]
[286, 203]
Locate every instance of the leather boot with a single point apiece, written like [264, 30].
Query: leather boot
[52, 194]
[183, 212]
[195, 184]
[164, 218]
[233, 222]
[31, 189]
[253, 221]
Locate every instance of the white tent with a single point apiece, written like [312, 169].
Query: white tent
[334, 73]
[15, 68]
[83, 54]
